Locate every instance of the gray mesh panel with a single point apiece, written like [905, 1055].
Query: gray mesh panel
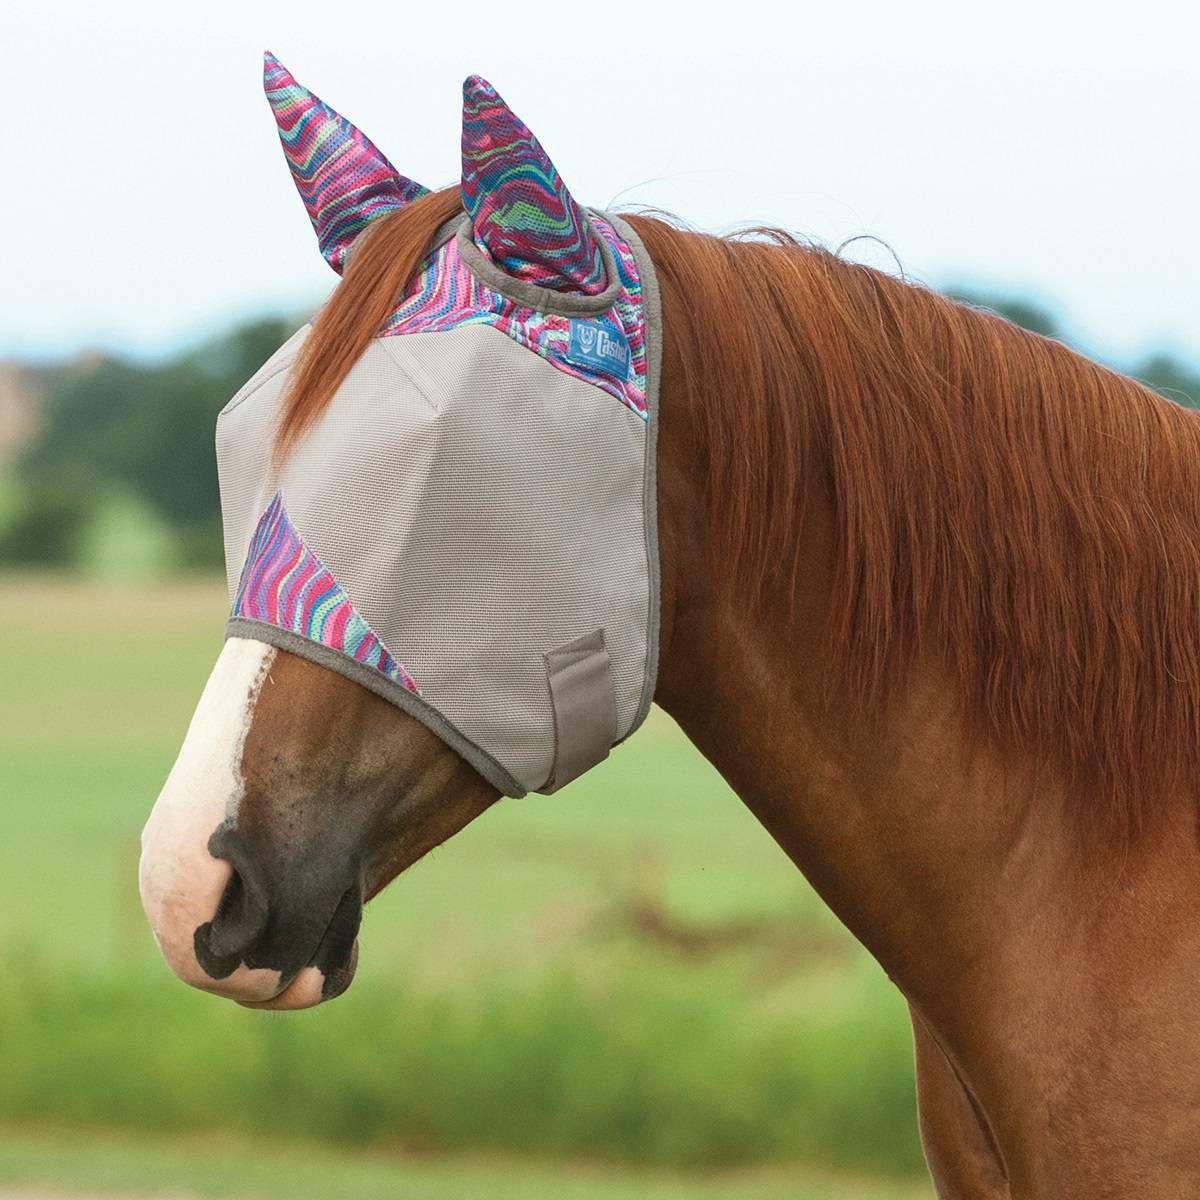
[479, 507]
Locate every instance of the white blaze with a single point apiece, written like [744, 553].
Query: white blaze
[181, 883]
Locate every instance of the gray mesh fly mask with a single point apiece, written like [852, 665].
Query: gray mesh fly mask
[469, 528]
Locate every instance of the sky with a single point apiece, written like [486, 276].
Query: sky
[1046, 150]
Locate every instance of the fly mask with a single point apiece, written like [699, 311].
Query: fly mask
[469, 528]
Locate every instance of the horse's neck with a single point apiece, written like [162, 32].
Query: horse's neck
[906, 835]
[1026, 951]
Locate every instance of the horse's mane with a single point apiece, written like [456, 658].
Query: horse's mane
[1002, 503]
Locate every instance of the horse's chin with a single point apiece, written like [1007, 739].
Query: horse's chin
[312, 986]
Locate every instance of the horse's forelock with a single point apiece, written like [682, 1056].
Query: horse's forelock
[391, 249]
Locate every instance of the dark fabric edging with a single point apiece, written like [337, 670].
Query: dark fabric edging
[373, 681]
[533, 295]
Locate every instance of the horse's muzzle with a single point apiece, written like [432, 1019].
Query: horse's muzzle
[298, 918]
[258, 922]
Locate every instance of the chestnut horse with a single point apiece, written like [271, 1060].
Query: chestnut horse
[930, 604]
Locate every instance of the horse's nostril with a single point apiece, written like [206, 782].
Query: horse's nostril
[277, 914]
[221, 944]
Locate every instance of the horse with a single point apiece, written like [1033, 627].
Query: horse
[929, 600]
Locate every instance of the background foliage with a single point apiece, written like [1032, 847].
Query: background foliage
[125, 444]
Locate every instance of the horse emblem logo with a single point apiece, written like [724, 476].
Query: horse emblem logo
[599, 347]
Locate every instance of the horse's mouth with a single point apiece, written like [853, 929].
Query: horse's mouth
[311, 986]
[331, 969]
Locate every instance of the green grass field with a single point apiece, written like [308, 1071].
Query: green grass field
[236, 1168]
[629, 973]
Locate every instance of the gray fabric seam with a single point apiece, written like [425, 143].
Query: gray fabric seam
[241, 397]
[394, 693]
[412, 370]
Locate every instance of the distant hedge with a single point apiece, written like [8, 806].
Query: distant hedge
[119, 437]
[649, 1066]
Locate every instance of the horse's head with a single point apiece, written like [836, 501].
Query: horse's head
[297, 795]
[439, 523]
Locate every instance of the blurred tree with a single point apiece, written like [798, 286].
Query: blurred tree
[1167, 375]
[1016, 309]
[46, 517]
[1170, 376]
[111, 427]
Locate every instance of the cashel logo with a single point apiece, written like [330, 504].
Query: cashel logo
[599, 345]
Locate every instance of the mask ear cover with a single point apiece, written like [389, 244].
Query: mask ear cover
[468, 529]
[523, 217]
[343, 178]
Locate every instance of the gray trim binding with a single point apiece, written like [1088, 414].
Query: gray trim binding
[541, 299]
[652, 315]
[394, 693]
